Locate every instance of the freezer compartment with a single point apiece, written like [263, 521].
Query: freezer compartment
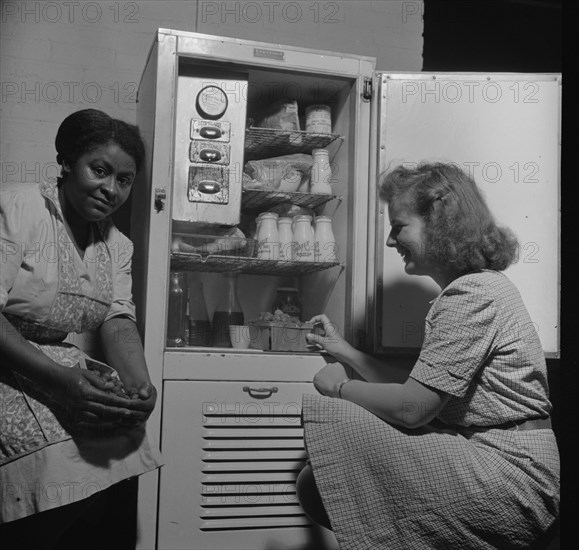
[208, 151]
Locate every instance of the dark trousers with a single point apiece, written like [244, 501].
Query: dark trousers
[107, 519]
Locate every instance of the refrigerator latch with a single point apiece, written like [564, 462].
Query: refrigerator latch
[160, 197]
[367, 91]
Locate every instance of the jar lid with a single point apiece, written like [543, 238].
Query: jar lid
[269, 215]
[318, 107]
[303, 217]
[323, 219]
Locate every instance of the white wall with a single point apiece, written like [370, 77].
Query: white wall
[57, 57]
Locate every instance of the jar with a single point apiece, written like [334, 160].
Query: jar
[324, 240]
[321, 172]
[303, 239]
[286, 246]
[287, 300]
[319, 119]
[267, 237]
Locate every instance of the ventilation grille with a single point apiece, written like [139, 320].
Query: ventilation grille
[250, 464]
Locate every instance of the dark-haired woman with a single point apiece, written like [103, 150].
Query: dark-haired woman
[462, 454]
[68, 434]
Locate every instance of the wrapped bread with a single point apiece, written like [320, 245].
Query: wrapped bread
[287, 173]
[213, 240]
[282, 115]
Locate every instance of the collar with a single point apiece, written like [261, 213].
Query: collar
[49, 190]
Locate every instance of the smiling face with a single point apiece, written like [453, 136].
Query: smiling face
[98, 183]
[408, 237]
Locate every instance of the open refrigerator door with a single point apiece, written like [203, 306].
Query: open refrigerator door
[256, 153]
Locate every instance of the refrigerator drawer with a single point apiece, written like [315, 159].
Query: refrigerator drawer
[232, 453]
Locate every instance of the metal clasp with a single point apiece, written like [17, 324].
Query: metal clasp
[160, 198]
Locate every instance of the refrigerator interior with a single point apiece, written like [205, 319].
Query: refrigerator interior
[253, 88]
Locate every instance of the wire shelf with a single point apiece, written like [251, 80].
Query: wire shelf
[255, 266]
[262, 143]
[258, 199]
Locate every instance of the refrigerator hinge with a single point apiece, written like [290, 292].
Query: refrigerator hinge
[367, 91]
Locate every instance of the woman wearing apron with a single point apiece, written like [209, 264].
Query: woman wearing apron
[67, 432]
[461, 455]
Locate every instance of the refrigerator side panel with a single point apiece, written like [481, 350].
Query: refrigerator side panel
[150, 232]
[503, 130]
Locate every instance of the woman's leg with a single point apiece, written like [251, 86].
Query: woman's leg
[310, 498]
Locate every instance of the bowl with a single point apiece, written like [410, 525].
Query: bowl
[240, 336]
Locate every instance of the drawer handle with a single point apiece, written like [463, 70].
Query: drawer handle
[260, 393]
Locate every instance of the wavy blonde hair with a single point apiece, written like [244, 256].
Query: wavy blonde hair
[460, 229]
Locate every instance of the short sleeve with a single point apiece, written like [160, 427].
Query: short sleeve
[459, 336]
[122, 255]
[16, 220]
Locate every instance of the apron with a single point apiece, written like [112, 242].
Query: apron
[37, 448]
[27, 422]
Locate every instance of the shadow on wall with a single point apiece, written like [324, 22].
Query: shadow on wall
[405, 306]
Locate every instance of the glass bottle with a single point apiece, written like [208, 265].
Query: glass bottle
[321, 172]
[199, 325]
[267, 237]
[287, 300]
[324, 240]
[177, 308]
[228, 312]
[286, 249]
[303, 238]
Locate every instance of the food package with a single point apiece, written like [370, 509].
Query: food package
[229, 241]
[281, 115]
[287, 173]
[279, 332]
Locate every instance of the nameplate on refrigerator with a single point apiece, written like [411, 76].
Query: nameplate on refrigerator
[211, 130]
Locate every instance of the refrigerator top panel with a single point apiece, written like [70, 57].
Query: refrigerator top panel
[266, 54]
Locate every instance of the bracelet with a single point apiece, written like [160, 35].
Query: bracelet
[342, 384]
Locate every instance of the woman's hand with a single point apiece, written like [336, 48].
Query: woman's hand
[147, 395]
[85, 398]
[327, 381]
[330, 340]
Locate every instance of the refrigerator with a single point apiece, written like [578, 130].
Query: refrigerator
[228, 419]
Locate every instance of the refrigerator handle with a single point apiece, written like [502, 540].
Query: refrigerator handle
[260, 393]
